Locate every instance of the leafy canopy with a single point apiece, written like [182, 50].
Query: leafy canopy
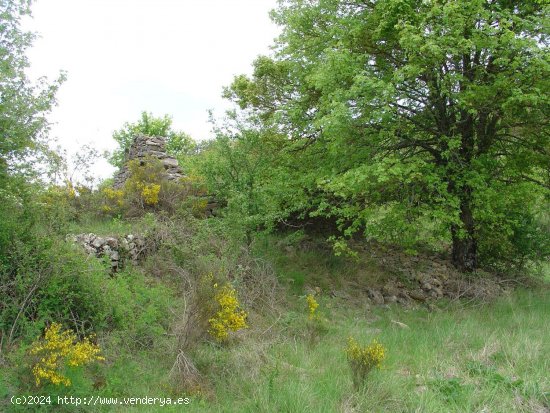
[23, 105]
[413, 121]
[178, 143]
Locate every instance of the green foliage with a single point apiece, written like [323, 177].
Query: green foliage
[243, 169]
[178, 143]
[408, 122]
[362, 359]
[51, 281]
[452, 390]
[513, 228]
[146, 189]
[138, 309]
[24, 105]
[23, 128]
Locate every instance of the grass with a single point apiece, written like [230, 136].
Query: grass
[455, 357]
[103, 227]
[490, 357]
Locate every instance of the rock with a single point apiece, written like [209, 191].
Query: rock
[417, 295]
[403, 294]
[116, 249]
[390, 299]
[390, 289]
[98, 242]
[157, 154]
[89, 249]
[111, 242]
[170, 162]
[399, 324]
[376, 297]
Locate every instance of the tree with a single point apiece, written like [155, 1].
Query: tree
[420, 120]
[23, 125]
[242, 168]
[25, 245]
[23, 105]
[178, 143]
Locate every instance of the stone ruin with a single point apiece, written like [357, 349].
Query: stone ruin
[145, 147]
[119, 250]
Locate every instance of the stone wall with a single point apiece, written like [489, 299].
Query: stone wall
[145, 147]
[119, 250]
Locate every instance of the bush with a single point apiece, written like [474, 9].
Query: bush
[312, 305]
[514, 231]
[145, 190]
[51, 281]
[59, 350]
[362, 359]
[228, 315]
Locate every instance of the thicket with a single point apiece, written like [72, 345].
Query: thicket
[421, 124]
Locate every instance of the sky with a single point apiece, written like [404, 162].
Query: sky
[123, 57]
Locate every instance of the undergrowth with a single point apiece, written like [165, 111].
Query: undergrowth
[453, 357]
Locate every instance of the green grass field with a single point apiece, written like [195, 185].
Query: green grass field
[458, 358]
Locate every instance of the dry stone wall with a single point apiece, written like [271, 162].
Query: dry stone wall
[145, 147]
[118, 250]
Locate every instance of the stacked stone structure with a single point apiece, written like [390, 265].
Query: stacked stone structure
[145, 147]
[118, 249]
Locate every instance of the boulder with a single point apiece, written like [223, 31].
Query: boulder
[376, 296]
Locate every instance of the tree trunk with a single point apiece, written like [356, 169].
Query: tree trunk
[464, 253]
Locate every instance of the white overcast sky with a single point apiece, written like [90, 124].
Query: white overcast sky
[125, 56]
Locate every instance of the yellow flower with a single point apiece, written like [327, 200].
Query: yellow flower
[312, 305]
[150, 194]
[362, 359]
[229, 316]
[58, 349]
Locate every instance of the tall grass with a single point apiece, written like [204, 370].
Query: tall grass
[491, 357]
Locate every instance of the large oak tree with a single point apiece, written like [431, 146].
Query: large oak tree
[418, 117]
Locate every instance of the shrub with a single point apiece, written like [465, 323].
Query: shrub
[316, 325]
[150, 194]
[50, 280]
[58, 350]
[513, 229]
[56, 205]
[228, 317]
[362, 359]
[312, 305]
[145, 189]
